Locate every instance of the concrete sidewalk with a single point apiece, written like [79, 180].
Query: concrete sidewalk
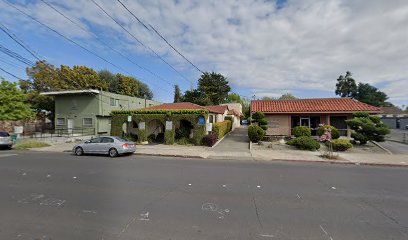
[254, 155]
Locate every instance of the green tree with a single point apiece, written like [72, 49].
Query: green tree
[13, 103]
[214, 87]
[195, 96]
[346, 85]
[287, 96]
[234, 98]
[267, 98]
[259, 118]
[367, 128]
[177, 94]
[144, 91]
[371, 95]
[110, 79]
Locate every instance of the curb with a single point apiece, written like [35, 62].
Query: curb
[383, 148]
[168, 155]
[393, 140]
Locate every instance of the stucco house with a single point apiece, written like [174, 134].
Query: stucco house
[394, 117]
[284, 115]
[89, 110]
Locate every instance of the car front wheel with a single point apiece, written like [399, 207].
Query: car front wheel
[113, 152]
[79, 151]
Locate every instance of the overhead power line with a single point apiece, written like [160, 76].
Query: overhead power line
[140, 42]
[160, 35]
[70, 40]
[9, 73]
[106, 44]
[15, 55]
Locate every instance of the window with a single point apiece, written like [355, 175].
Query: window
[107, 140]
[113, 102]
[87, 121]
[60, 121]
[95, 140]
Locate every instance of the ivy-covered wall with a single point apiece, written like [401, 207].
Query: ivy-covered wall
[119, 117]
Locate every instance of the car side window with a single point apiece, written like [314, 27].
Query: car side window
[95, 140]
[107, 140]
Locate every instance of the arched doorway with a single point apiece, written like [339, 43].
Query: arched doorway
[155, 131]
[184, 130]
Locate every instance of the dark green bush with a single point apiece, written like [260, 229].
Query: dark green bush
[257, 116]
[334, 132]
[264, 127]
[359, 137]
[255, 133]
[160, 138]
[151, 138]
[182, 133]
[361, 115]
[183, 141]
[340, 144]
[300, 131]
[209, 140]
[221, 128]
[304, 143]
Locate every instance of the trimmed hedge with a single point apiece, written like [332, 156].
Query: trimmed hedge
[221, 128]
[300, 131]
[166, 112]
[255, 133]
[334, 132]
[340, 144]
[304, 143]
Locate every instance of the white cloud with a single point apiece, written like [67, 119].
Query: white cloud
[305, 45]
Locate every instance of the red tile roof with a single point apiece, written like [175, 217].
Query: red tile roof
[317, 105]
[176, 106]
[217, 109]
[188, 106]
[234, 112]
[391, 110]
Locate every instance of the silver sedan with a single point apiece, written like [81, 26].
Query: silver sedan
[113, 146]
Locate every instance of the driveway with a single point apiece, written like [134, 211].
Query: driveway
[236, 141]
[395, 147]
[400, 135]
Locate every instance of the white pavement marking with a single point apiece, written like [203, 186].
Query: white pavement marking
[334, 188]
[89, 211]
[224, 185]
[298, 196]
[7, 155]
[267, 235]
[189, 184]
[144, 216]
[325, 232]
[258, 186]
[74, 177]
[53, 202]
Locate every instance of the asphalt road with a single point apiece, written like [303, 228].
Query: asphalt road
[59, 196]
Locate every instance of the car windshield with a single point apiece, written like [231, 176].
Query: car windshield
[4, 134]
[121, 139]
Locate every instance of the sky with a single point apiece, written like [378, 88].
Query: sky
[264, 48]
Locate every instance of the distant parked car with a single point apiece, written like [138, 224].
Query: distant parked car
[6, 140]
[113, 146]
[244, 122]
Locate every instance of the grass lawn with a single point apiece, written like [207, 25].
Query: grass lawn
[30, 144]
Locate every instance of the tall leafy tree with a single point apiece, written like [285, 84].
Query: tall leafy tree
[13, 103]
[214, 87]
[267, 98]
[287, 96]
[233, 98]
[144, 91]
[371, 95]
[195, 96]
[177, 94]
[346, 86]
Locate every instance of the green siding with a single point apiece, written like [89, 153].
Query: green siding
[95, 106]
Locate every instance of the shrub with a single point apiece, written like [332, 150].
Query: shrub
[367, 128]
[209, 140]
[30, 144]
[340, 144]
[183, 141]
[182, 133]
[300, 131]
[221, 128]
[160, 137]
[258, 116]
[304, 143]
[264, 127]
[151, 138]
[334, 132]
[169, 137]
[255, 133]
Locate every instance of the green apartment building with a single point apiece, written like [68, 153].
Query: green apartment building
[89, 110]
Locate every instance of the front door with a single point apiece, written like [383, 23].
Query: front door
[70, 125]
[305, 122]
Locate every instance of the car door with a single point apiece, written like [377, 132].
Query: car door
[106, 144]
[92, 145]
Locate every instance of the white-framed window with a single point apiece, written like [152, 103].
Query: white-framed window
[87, 121]
[60, 122]
[114, 102]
